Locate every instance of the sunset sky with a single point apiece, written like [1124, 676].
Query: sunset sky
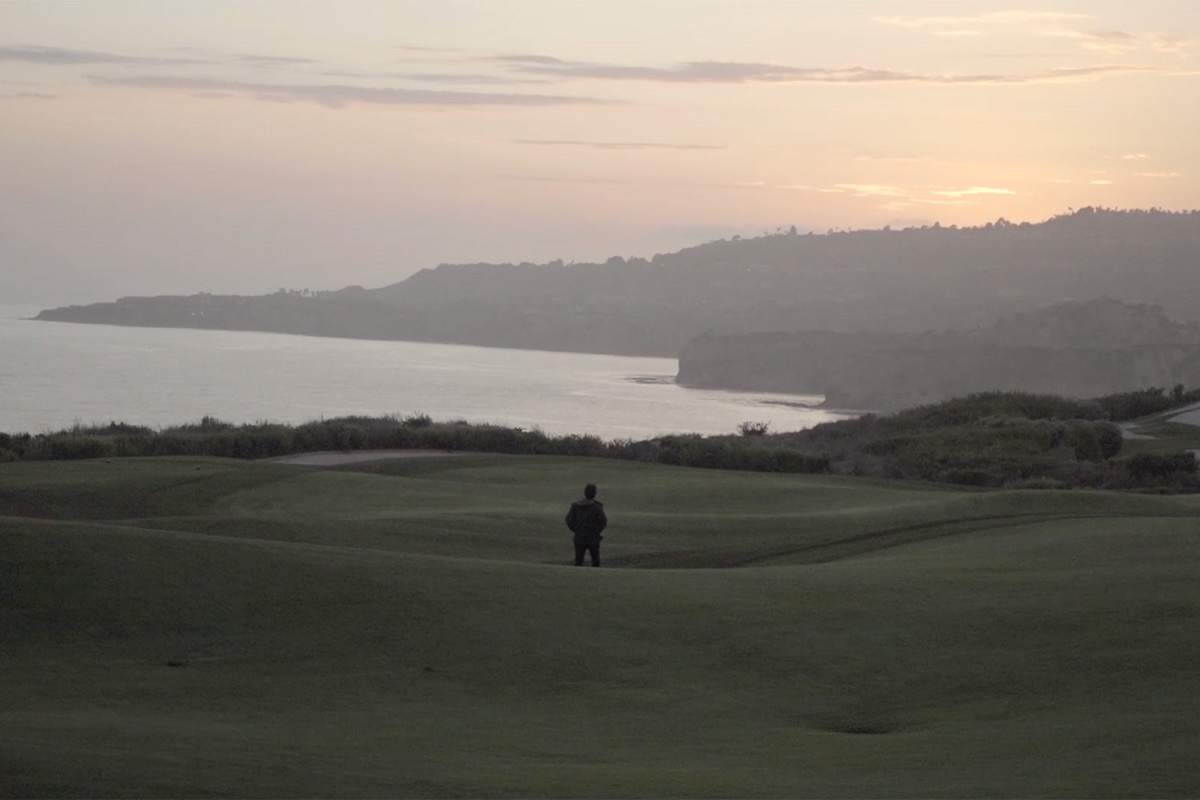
[239, 147]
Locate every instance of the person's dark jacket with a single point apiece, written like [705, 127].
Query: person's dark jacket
[586, 520]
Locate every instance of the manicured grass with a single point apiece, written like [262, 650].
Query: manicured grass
[202, 627]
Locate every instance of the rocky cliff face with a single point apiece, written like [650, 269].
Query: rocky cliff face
[1075, 350]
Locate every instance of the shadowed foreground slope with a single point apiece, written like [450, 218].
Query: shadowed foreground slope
[212, 628]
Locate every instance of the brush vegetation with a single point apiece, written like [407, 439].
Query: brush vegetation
[992, 439]
[184, 626]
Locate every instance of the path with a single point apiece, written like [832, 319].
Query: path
[336, 458]
[1189, 415]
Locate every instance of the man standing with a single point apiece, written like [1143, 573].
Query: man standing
[586, 520]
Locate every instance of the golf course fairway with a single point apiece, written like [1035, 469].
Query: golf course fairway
[413, 628]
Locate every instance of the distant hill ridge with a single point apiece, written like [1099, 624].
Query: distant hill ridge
[895, 281]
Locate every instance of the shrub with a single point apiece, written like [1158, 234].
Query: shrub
[111, 429]
[207, 424]
[754, 428]
[1042, 483]
[1160, 465]
[73, 447]
[1124, 406]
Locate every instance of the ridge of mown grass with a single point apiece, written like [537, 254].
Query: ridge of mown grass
[1048, 654]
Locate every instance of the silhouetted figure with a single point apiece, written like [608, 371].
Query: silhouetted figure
[586, 520]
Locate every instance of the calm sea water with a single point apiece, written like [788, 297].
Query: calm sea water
[53, 375]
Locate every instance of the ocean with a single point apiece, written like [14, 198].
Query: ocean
[54, 375]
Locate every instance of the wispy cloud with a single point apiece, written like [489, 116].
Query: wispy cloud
[1159, 174]
[593, 181]
[275, 61]
[619, 145]
[61, 56]
[417, 48]
[872, 190]
[970, 191]
[736, 72]
[1118, 42]
[442, 78]
[1135, 156]
[1100, 182]
[29, 96]
[931, 201]
[339, 96]
[922, 195]
[990, 18]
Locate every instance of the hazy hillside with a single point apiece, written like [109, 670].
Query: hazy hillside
[911, 280]
[1082, 349]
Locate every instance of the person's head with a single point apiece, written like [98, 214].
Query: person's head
[589, 491]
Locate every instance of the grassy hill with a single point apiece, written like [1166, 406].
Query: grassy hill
[210, 627]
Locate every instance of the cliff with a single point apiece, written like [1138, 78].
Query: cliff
[1078, 350]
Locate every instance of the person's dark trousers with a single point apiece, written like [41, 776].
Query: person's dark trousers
[593, 549]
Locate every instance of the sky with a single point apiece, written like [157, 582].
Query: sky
[175, 147]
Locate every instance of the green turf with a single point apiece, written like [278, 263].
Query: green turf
[200, 627]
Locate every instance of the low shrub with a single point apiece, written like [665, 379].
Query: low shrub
[754, 428]
[1043, 483]
[1160, 465]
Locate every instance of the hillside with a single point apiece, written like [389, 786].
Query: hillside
[1082, 350]
[204, 627]
[884, 281]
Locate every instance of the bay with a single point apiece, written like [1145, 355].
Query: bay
[54, 375]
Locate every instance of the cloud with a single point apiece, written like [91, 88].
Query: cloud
[1117, 42]
[1159, 174]
[872, 190]
[1135, 156]
[61, 56]
[924, 196]
[29, 96]
[445, 78]
[620, 145]
[970, 191]
[589, 181]
[339, 96]
[990, 18]
[1100, 182]
[525, 59]
[736, 72]
[417, 48]
[275, 61]
[928, 201]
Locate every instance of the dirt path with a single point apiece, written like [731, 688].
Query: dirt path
[337, 458]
